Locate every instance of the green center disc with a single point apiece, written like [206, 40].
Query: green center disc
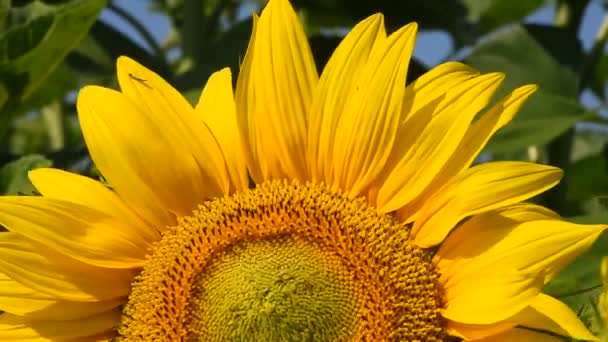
[274, 290]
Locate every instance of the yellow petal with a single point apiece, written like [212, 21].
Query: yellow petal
[283, 74]
[486, 296]
[23, 301]
[15, 328]
[474, 237]
[521, 335]
[520, 237]
[144, 162]
[44, 270]
[217, 109]
[549, 314]
[544, 314]
[82, 233]
[482, 130]
[473, 142]
[368, 126]
[419, 106]
[125, 147]
[474, 332]
[245, 103]
[166, 108]
[428, 139]
[478, 189]
[434, 84]
[67, 186]
[331, 94]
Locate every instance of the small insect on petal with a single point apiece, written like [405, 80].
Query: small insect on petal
[140, 79]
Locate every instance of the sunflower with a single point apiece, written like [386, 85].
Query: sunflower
[299, 208]
[602, 303]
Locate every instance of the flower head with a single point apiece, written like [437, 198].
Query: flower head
[366, 221]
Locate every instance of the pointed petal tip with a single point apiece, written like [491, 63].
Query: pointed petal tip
[521, 94]
[413, 26]
[225, 71]
[127, 65]
[376, 19]
[554, 172]
[455, 66]
[407, 32]
[495, 77]
[528, 88]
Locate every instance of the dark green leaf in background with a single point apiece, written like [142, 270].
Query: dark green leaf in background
[30, 51]
[227, 50]
[526, 55]
[599, 78]
[13, 176]
[449, 15]
[491, 14]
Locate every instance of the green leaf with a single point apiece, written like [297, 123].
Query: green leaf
[5, 6]
[56, 86]
[490, 14]
[29, 52]
[107, 43]
[543, 118]
[526, 56]
[588, 141]
[587, 178]
[599, 78]
[429, 14]
[59, 82]
[226, 51]
[13, 176]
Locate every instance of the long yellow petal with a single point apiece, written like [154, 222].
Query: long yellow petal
[481, 188]
[67, 186]
[245, 98]
[428, 139]
[461, 246]
[435, 84]
[283, 74]
[474, 332]
[15, 328]
[521, 335]
[331, 94]
[473, 142]
[217, 109]
[166, 108]
[482, 130]
[549, 314]
[79, 232]
[368, 126]
[49, 272]
[491, 296]
[544, 314]
[20, 300]
[125, 147]
[521, 237]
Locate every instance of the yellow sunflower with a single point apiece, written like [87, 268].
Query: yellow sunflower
[602, 303]
[364, 219]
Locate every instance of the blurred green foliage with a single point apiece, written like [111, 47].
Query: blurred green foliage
[48, 49]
